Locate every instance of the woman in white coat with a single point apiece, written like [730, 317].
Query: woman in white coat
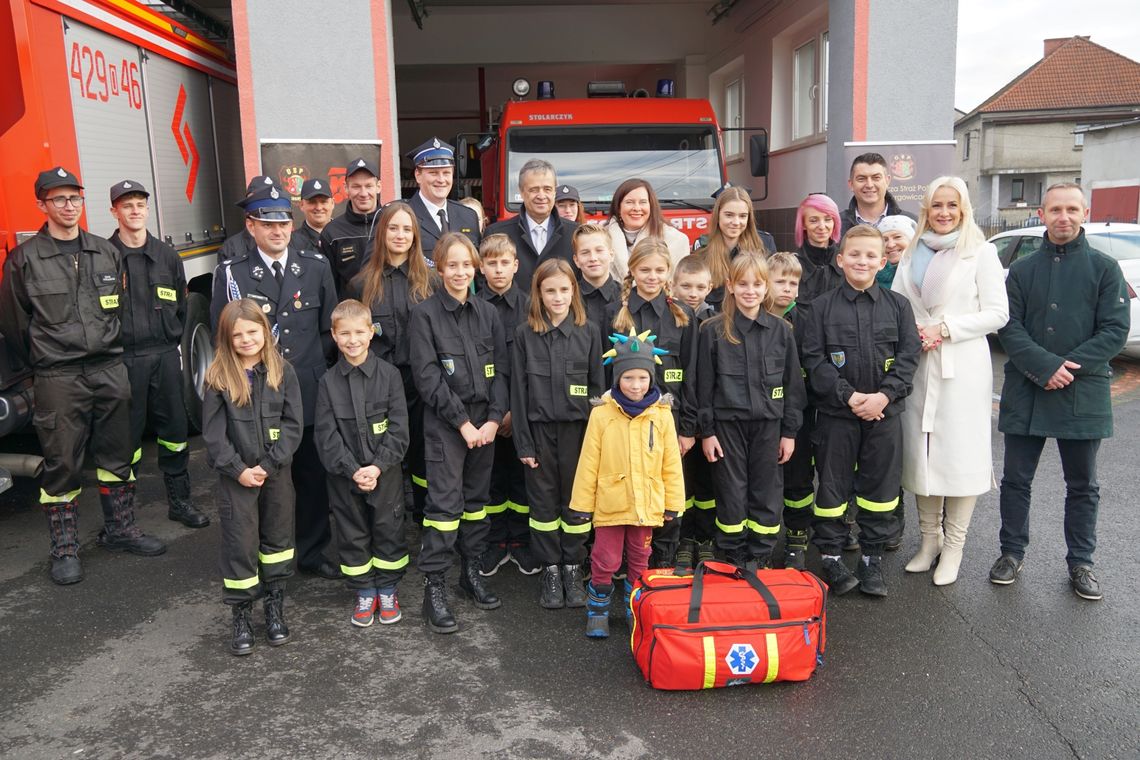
[954, 281]
[635, 215]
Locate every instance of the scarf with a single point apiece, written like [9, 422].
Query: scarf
[886, 275]
[933, 260]
[630, 236]
[634, 408]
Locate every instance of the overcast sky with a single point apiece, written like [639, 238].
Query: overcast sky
[999, 39]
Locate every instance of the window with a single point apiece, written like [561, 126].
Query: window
[734, 117]
[1079, 137]
[810, 88]
[1004, 249]
[1037, 196]
[1017, 190]
[966, 146]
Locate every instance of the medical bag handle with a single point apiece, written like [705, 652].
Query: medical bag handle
[714, 568]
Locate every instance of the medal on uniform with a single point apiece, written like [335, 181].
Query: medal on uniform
[297, 300]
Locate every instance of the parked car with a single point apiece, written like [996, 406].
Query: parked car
[1120, 241]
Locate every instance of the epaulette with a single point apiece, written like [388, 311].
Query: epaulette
[305, 252]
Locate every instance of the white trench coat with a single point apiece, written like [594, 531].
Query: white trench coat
[947, 420]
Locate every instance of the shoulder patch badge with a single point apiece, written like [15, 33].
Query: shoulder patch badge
[839, 358]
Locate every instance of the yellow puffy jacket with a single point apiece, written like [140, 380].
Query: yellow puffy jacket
[629, 472]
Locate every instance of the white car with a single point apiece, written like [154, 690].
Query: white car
[1118, 240]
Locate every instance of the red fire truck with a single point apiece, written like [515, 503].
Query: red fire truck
[113, 90]
[597, 143]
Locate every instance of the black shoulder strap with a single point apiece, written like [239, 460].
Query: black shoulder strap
[732, 571]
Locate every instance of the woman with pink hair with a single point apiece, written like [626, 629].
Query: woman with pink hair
[817, 235]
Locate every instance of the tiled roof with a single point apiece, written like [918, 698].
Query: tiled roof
[1077, 73]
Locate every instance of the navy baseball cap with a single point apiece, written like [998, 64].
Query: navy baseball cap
[127, 187]
[567, 193]
[315, 188]
[258, 182]
[361, 165]
[57, 176]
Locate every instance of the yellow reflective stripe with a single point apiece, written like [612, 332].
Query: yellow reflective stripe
[495, 509]
[830, 511]
[756, 527]
[773, 657]
[480, 515]
[109, 302]
[241, 583]
[544, 527]
[418, 481]
[738, 528]
[106, 476]
[273, 559]
[384, 564]
[522, 509]
[709, 647]
[570, 528]
[689, 502]
[47, 498]
[876, 506]
[444, 526]
[137, 456]
[176, 447]
[354, 570]
[704, 503]
[799, 503]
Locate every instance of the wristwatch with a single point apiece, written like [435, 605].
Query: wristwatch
[945, 330]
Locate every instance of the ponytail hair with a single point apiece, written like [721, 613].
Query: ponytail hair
[645, 248]
[746, 263]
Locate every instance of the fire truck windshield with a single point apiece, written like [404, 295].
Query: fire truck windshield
[682, 163]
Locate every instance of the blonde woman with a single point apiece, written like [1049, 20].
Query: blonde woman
[954, 282]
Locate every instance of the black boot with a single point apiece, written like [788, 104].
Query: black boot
[795, 549]
[869, 571]
[241, 642]
[276, 631]
[573, 584]
[472, 583]
[551, 596]
[436, 613]
[63, 527]
[178, 497]
[120, 533]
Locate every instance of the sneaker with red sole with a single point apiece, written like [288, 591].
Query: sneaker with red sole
[389, 607]
[365, 610]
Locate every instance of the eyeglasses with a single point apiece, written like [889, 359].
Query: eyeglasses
[60, 201]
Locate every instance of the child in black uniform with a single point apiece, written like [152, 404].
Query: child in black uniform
[362, 437]
[647, 303]
[458, 352]
[750, 394]
[508, 506]
[251, 423]
[692, 283]
[594, 255]
[860, 352]
[784, 270]
[393, 280]
[555, 372]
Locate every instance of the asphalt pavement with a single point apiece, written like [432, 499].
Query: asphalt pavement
[132, 661]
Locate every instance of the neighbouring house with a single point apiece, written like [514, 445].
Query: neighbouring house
[1032, 132]
[1110, 164]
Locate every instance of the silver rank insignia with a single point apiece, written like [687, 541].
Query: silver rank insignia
[257, 272]
[295, 268]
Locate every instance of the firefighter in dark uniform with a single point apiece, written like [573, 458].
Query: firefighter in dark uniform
[437, 214]
[242, 242]
[317, 205]
[152, 315]
[59, 314]
[347, 240]
[860, 353]
[458, 352]
[294, 288]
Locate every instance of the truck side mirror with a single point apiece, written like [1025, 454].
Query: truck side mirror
[758, 154]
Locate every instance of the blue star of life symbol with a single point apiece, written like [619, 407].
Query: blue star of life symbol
[741, 659]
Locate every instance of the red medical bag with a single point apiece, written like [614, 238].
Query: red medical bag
[724, 626]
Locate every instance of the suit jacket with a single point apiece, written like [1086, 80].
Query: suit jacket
[557, 244]
[459, 219]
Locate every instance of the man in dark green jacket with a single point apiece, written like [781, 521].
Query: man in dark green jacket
[1068, 316]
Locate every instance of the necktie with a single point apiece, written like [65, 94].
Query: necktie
[442, 220]
[538, 233]
[278, 272]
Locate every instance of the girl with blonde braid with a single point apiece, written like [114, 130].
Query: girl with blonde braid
[647, 303]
